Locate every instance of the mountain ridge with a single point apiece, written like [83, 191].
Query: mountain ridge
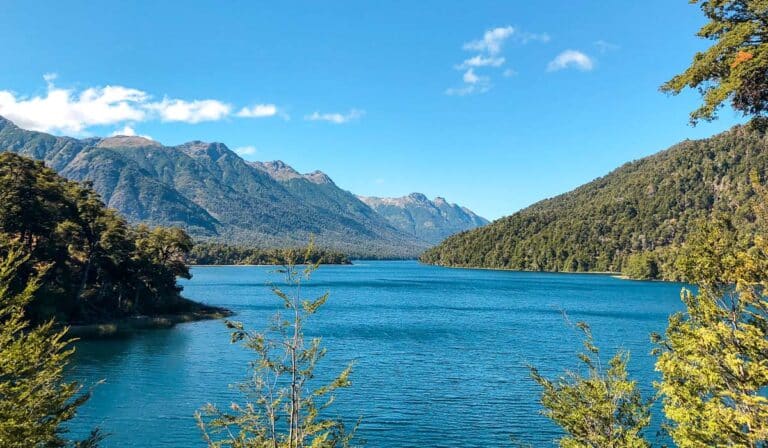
[430, 220]
[214, 194]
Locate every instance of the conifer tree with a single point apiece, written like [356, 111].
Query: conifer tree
[285, 408]
[35, 401]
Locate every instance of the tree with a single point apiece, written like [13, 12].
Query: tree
[35, 401]
[99, 267]
[714, 357]
[600, 409]
[284, 411]
[735, 67]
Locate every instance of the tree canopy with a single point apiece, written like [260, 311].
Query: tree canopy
[98, 266]
[735, 68]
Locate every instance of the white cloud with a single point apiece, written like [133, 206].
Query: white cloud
[246, 150]
[335, 117]
[488, 48]
[491, 41]
[571, 58]
[72, 111]
[470, 77]
[68, 111]
[190, 111]
[128, 131]
[481, 61]
[258, 111]
[473, 83]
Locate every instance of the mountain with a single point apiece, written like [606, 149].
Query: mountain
[431, 221]
[646, 206]
[214, 194]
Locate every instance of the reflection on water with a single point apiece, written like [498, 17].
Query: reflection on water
[440, 354]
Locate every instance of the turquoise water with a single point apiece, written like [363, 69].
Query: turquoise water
[440, 354]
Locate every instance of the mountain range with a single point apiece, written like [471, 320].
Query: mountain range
[430, 221]
[647, 206]
[216, 195]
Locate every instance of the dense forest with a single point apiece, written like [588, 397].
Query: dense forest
[222, 254]
[94, 266]
[631, 220]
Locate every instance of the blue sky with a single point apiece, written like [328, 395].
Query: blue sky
[490, 104]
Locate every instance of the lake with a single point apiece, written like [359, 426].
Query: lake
[440, 354]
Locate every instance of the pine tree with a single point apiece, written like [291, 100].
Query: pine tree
[284, 410]
[35, 401]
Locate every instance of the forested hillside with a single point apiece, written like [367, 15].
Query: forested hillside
[223, 254]
[634, 215]
[94, 266]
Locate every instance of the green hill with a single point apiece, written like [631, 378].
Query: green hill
[640, 211]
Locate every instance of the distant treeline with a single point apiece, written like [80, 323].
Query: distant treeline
[223, 254]
[94, 265]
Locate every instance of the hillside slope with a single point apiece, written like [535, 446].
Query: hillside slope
[645, 205]
[431, 221]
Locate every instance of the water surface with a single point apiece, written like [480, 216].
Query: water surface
[440, 354]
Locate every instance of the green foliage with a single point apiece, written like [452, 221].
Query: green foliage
[714, 357]
[600, 409]
[35, 401]
[735, 67]
[650, 205]
[222, 254]
[99, 267]
[286, 409]
[641, 266]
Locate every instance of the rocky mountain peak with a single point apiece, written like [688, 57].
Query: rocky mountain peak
[418, 197]
[126, 141]
[277, 169]
[281, 171]
[431, 221]
[318, 177]
[197, 149]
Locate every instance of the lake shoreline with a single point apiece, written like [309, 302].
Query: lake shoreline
[611, 273]
[127, 326]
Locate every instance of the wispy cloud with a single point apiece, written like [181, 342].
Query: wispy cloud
[488, 49]
[481, 61]
[571, 59]
[491, 41]
[74, 111]
[258, 111]
[472, 83]
[604, 46]
[190, 111]
[336, 117]
[246, 150]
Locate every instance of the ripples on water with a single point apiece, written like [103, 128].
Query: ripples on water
[440, 354]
